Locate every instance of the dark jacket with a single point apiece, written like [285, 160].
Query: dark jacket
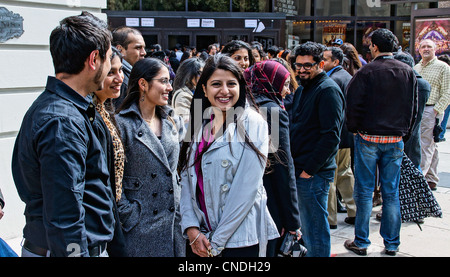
[116, 247]
[412, 145]
[342, 78]
[280, 182]
[382, 98]
[318, 116]
[61, 173]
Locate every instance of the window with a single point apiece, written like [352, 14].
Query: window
[372, 8]
[208, 5]
[333, 7]
[327, 31]
[293, 7]
[252, 6]
[299, 31]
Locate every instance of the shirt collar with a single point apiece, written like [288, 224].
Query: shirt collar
[430, 62]
[333, 69]
[61, 89]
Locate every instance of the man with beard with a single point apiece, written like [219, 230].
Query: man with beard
[131, 44]
[318, 116]
[59, 166]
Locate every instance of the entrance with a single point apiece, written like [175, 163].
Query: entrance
[203, 41]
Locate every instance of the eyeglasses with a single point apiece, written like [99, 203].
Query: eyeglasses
[165, 81]
[306, 66]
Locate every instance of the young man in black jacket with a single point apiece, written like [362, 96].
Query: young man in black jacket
[381, 110]
[318, 116]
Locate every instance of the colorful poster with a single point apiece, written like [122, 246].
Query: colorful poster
[436, 29]
[333, 31]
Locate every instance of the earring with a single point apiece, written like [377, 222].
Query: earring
[142, 98]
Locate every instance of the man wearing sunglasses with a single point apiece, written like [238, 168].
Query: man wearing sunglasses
[317, 119]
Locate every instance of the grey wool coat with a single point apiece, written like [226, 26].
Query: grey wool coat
[149, 206]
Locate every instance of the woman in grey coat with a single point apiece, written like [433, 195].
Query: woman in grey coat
[149, 206]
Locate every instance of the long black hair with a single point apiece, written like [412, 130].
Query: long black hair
[148, 69]
[213, 63]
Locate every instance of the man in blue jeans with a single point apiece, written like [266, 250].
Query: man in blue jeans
[317, 119]
[382, 103]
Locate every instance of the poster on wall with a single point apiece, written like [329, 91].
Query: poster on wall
[436, 29]
[406, 36]
[333, 31]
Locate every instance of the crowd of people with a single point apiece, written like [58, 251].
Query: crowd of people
[221, 152]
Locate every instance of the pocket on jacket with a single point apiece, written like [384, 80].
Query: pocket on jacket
[131, 183]
[130, 215]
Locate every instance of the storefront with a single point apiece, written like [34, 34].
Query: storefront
[201, 29]
[284, 23]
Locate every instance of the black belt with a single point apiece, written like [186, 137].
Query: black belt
[429, 105]
[93, 251]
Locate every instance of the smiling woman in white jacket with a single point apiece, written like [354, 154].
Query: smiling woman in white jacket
[222, 162]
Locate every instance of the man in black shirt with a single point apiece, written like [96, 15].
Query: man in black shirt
[317, 119]
[59, 165]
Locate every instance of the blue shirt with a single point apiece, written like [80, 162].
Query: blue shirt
[61, 172]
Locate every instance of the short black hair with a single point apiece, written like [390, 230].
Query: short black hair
[336, 54]
[310, 48]
[121, 36]
[273, 50]
[384, 39]
[75, 38]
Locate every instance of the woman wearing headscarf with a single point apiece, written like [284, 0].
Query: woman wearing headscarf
[269, 82]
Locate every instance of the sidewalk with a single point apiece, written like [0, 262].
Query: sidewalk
[432, 241]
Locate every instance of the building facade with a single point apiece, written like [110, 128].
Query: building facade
[284, 23]
[25, 28]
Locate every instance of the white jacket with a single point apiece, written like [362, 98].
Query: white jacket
[234, 194]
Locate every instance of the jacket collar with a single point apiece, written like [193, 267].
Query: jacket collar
[161, 148]
[59, 88]
[311, 83]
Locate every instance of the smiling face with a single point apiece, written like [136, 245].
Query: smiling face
[241, 56]
[222, 89]
[313, 70]
[157, 90]
[113, 81]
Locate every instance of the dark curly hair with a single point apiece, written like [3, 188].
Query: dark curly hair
[310, 48]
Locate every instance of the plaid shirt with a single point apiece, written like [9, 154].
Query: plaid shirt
[381, 139]
[437, 73]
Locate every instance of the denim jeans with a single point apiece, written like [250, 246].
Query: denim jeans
[444, 122]
[388, 158]
[313, 203]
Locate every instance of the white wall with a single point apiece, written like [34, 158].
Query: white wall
[25, 63]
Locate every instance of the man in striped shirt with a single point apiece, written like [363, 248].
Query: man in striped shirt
[437, 73]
